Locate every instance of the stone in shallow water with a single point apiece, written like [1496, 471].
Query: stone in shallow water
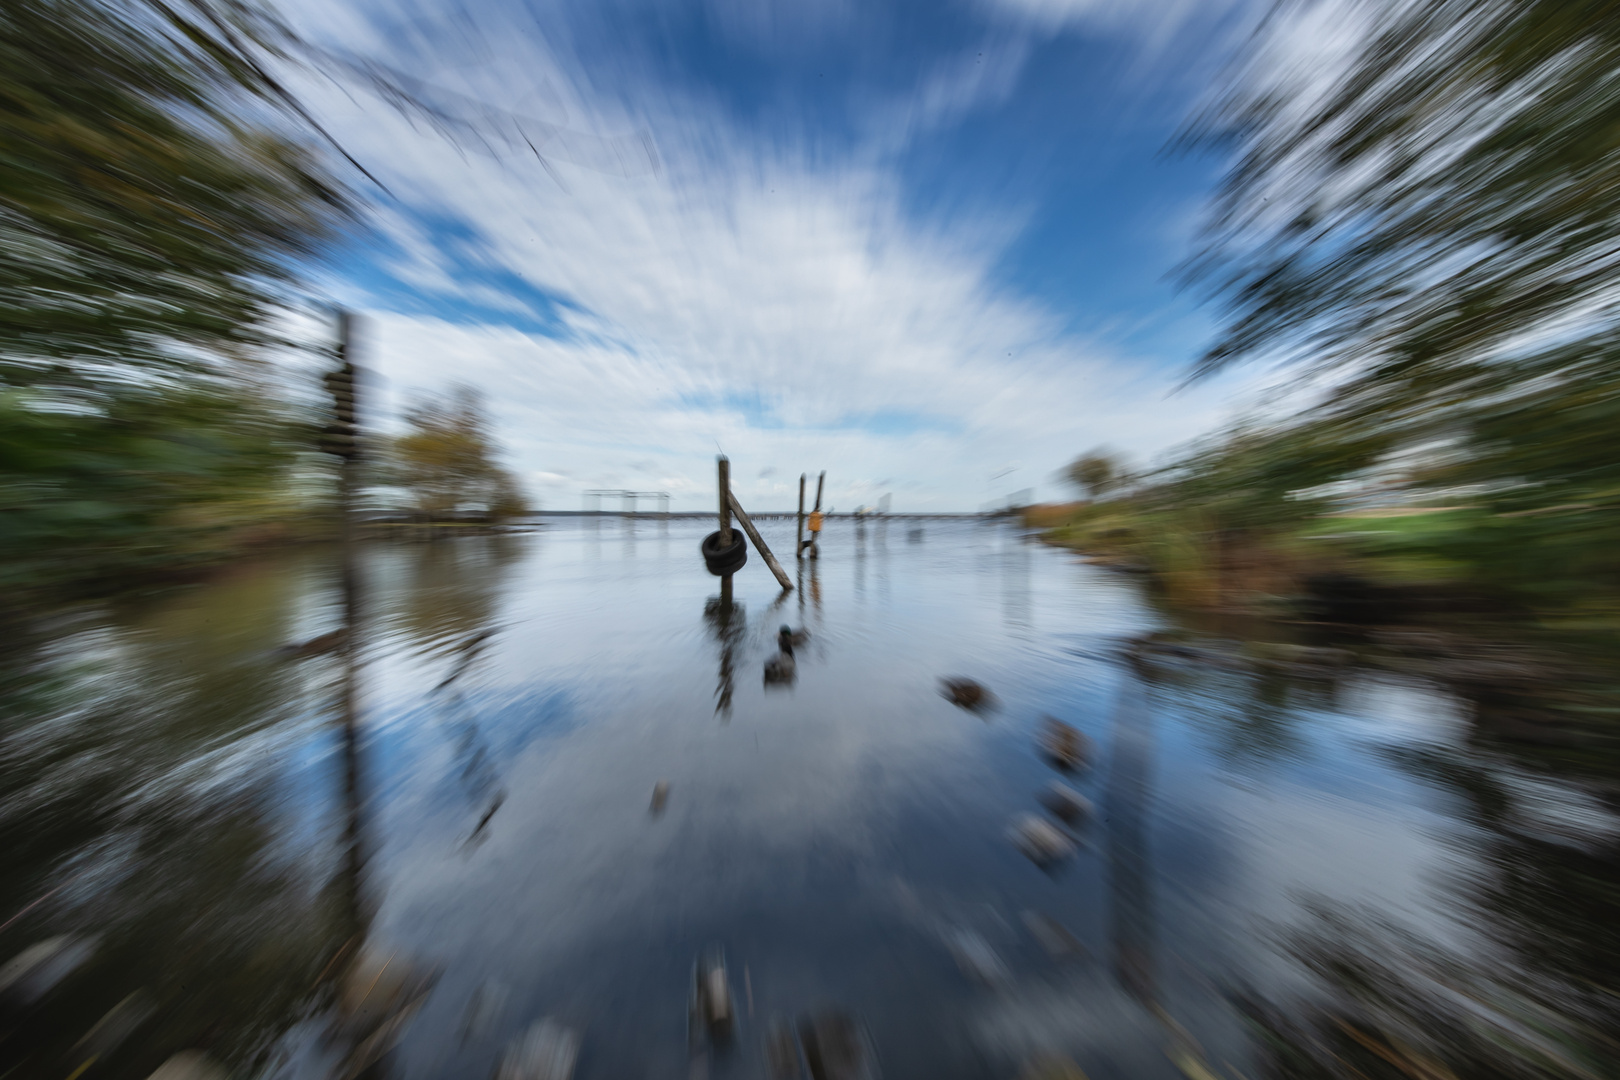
[1049, 1067]
[188, 1065]
[36, 971]
[965, 693]
[1064, 745]
[713, 1011]
[547, 1051]
[1054, 937]
[1040, 840]
[977, 959]
[1065, 803]
[836, 1047]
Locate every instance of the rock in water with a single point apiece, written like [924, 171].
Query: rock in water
[1054, 937]
[188, 1065]
[1040, 840]
[1064, 745]
[547, 1051]
[977, 959]
[1066, 804]
[34, 972]
[713, 1012]
[965, 693]
[835, 1048]
[781, 1052]
[1052, 1068]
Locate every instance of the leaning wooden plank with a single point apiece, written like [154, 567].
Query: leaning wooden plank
[759, 543]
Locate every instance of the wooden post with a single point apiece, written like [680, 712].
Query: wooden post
[798, 546]
[724, 474]
[725, 501]
[759, 544]
[815, 535]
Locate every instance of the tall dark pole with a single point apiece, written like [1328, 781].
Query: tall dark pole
[341, 439]
[798, 548]
[725, 526]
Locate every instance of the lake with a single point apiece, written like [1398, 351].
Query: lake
[184, 804]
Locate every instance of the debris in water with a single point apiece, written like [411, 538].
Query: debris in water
[660, 797]
[188, 1065]
[315, 646]
[966, 693]
[781, 1052]
[836, 1048]
[378, 997]
[35, 971]
[1064, 745]
[1054, 937]
[484, 1011]
[976, 958]
[488, 816]
[547, 1051]
[713, 1011]
[1048, 1067]
[1043, 842]
[112, 1029]
[1065, 803]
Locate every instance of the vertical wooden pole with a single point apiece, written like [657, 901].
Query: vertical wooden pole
[798, 548]
[725, 501]
[724, 474]
[346, 431]
[815, 537]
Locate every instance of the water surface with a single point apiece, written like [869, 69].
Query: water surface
[182, 795]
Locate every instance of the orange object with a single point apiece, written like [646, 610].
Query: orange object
[815, 521]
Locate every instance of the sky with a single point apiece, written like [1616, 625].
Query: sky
[928, 247]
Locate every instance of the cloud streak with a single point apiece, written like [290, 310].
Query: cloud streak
[755, 296]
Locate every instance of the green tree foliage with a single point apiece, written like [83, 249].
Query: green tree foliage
[1428, 213]
[144, 223]
[154, 219]
[1095, 473]
[447, 461]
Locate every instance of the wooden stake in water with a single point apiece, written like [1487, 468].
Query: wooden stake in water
[798, 546]
[815, 518]
[724, 475]
[760, 545]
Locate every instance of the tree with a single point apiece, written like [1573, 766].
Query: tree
[146, 223]
[447, 460]
[1428, 216]
[1450, 187]
[156, 215]
[1095, 473]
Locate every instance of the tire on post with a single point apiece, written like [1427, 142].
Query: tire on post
[725, 560]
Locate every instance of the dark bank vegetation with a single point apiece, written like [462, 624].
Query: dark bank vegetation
[1422, 230]
[163, 200]
[154, 214]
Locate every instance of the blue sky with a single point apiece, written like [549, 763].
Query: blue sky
[919, 245]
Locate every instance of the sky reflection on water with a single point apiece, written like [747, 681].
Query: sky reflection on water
[844, 839]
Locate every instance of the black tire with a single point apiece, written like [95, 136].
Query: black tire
[723, 561]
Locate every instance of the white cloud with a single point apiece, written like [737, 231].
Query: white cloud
[1152, 21]
[750, 298]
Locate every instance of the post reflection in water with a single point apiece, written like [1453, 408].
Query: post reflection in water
[727, 621]
[1126, 801]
